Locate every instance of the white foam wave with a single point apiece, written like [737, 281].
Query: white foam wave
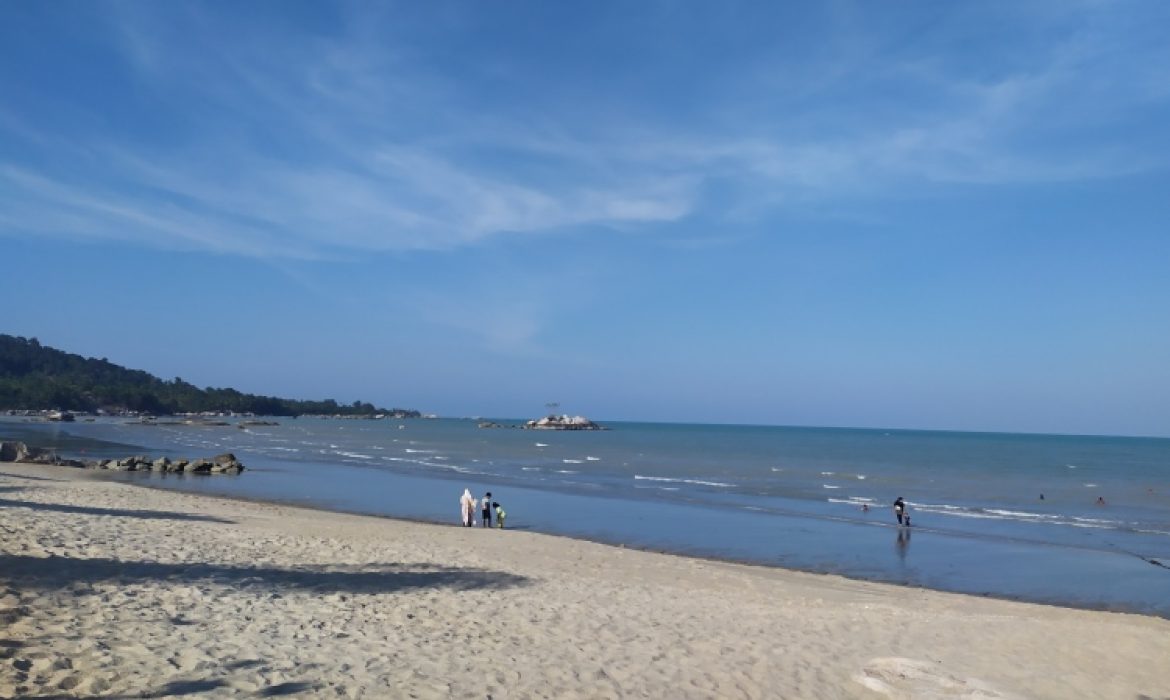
[566, 471]
[698, 482]
[1090, 486]
[828, 473]
[531, 469]
[1021, 515]
[355, 455]
[829, 486]
[593, 459]
[424, 452]
[1018, 516]
[572, 461]
[1094, 520]
[968, 514]
[542, 444]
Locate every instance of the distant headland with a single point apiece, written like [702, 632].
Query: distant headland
[37, 378]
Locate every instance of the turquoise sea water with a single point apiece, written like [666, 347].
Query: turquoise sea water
[791, 497]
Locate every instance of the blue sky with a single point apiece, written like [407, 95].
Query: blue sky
[913, 214]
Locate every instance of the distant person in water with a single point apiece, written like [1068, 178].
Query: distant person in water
[467, 507]
[485, 512]
[900, 510]
[864, 507]
[1100, 500]
[500, 515]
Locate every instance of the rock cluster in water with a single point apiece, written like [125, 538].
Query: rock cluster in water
[551, 423]
[562, 423]
[14, 451]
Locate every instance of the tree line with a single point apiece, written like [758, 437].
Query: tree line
[36, 377]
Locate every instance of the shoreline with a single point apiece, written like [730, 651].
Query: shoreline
[1055, 600]
[146, 482]
[712, 558]
[109, 589]
[980, 542]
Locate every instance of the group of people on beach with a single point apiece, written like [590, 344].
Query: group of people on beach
[467, 505]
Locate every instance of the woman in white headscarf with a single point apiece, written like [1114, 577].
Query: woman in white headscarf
[467, 506]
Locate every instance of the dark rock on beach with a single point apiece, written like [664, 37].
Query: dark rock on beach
[227, 463]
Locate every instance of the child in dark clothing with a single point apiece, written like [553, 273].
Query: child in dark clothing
[485, 512]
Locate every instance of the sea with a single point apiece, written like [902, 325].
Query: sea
[1081, 521]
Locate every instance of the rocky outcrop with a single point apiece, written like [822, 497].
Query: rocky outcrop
[220, 464]
[549, 423]
[13, 451]
[563, 423]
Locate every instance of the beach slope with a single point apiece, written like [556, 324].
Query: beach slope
[109, 589]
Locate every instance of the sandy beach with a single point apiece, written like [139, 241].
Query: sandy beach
[114, 590]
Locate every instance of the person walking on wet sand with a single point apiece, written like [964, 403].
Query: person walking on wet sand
[485, 510]
[900, 510]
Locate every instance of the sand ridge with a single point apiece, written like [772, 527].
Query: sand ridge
[108, 589]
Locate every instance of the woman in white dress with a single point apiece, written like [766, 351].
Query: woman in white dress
[467, 507]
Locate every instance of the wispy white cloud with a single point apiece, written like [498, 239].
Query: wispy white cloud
[322, 145]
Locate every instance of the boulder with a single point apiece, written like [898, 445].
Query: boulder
[199, 466]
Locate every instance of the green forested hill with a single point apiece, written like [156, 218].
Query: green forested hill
[33, 376]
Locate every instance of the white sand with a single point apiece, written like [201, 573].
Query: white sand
[109, 589]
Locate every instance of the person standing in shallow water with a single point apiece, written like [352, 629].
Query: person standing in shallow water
[485, 510]
[900, 509]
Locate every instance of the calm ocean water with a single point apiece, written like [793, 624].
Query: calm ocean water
[790, 497]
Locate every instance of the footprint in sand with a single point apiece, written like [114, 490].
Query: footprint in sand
[909, 678]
